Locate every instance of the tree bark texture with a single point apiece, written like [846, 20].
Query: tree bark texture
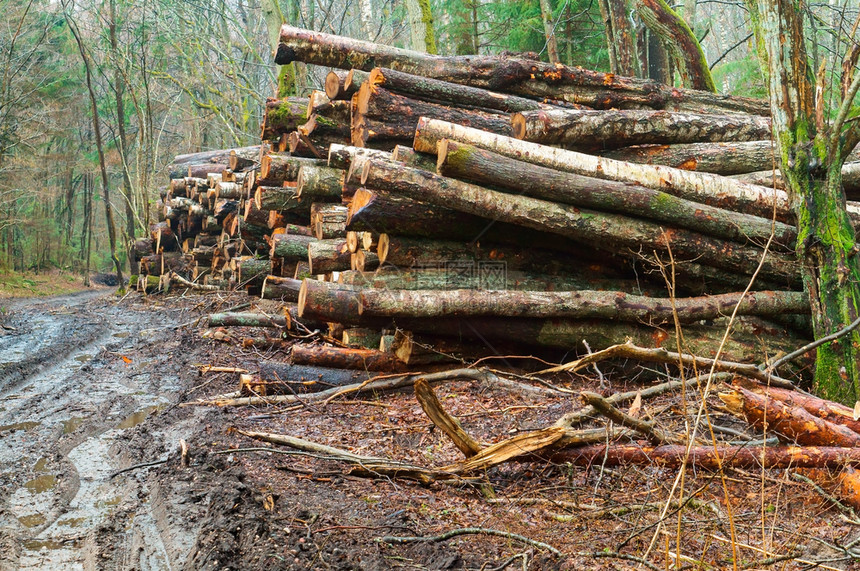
[283, 115]
[718, 158]
[611, 129]
[523, 77]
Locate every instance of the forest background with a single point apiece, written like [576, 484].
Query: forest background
[168, 77]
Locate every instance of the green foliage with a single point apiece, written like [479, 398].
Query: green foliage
[741, 77]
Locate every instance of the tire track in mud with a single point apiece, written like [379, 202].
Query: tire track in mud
[67, 396]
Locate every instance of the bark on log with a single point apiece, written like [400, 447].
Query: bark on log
[792, 424]
[341, 156]
[612, 129]
[328, 220]
[512, 75]
[585, 304]
[446, 423]
[280, 198]
[275, 169]
[830, 411]
[468, 162]
[283, 378]
[221, 156]
[411, 158]
[599, 230]
[283, 115]
[673, 456]
[717, 158]
[281, 288]
[447, 93]
[248, 319]
[375, 105]
[326, 256]
[706, 188]
[251, 271]
[319, 184]
[334, 85]
[361, 337]
[200, 170]
[345, 358]
[290, 246]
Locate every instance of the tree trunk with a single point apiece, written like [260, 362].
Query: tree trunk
[549, 31]
[522, 77]
[345, 358]
[621, 37]
[679, 39]
[421, 26]
[584, 304]
[811, 158]
[601, 130]
[706, 188]
[484, 167]
[599, 230]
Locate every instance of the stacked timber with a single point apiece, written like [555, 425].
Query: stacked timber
[473, 204]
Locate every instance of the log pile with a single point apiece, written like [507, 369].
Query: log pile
[428, 210]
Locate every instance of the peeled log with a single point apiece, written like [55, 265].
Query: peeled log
[612, 129]
[600, 230]
[345, 358]
[709, 457]
[790, 423]
[511, 75]
[377, 106]
[705, 188]
[583, 304]
[468, 162]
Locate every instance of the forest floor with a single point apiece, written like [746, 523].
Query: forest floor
[91, 385]
[43, 284]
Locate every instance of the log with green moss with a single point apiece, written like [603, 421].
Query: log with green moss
[319, 184]
[283, 115]
[468, 162]
[597, 229]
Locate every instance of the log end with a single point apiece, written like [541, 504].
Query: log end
[518, 125]
[333, 85]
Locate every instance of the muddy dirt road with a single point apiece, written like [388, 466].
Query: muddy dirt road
[78, 375]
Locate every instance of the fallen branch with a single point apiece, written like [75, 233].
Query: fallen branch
[628, 350]
[472, 531]
[446, 423]
[604, 407]
[200, 287]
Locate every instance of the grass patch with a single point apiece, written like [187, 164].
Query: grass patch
[13, 284]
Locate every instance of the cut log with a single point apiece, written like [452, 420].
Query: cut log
[280, 198]
[354, 80]
[611, 129]
[345, 358]
[319, 184]
[248, 320]
[251, 271]
[283, 378]
[409, 157]
[341, 156]
[363, 261]
[326, 256]
[221, 156]
[200, 170]
[830, 411]
[334, 88]
[503, 73]
[447, 93]
[281, 288]
[790, 423]
[377, 106]
[468, 162]
[672, 456]
[717, 158]
[275, 169]
[599, 230]
[283, 115]
[585, 304]
[328, 220]
[705, 188]
[290, 246]
[361, 337]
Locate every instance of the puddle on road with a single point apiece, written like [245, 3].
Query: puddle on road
[28, 425]
[121, 334]
[83, 358]
[72, 424]
[40, 464]
[136, 418]
[33, 520]
[42, 483]
[72, 521]
[108, 502]
[38, 544]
